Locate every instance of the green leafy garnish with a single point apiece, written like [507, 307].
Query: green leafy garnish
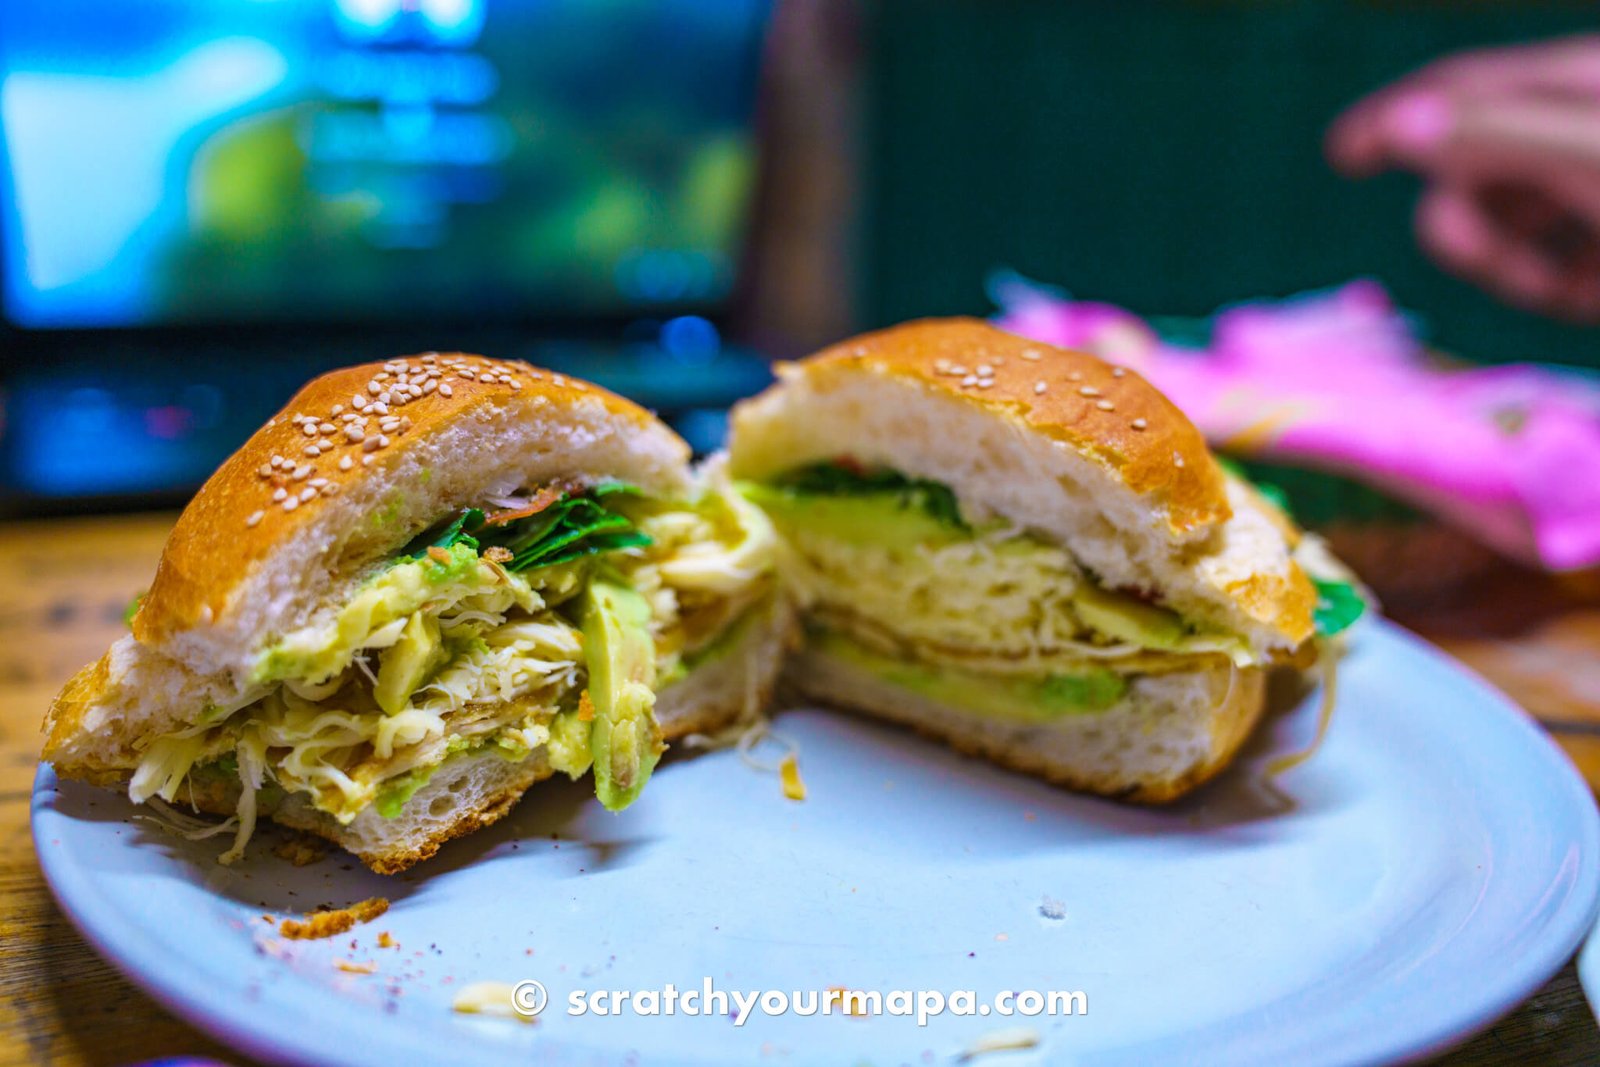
[1339, 605]
[132, 609]
[849, 479]
[578, 524]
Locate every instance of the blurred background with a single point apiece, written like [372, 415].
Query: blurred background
[205, 202]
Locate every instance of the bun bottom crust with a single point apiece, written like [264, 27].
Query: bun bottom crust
[1169, 735]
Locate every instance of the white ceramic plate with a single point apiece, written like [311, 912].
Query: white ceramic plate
[1430, 868]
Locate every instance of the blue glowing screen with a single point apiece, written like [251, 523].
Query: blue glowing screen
[173, 161]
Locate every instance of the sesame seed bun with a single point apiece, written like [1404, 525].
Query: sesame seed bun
[241, 566]
[1086, 453]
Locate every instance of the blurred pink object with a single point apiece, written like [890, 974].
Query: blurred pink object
[1336, 381]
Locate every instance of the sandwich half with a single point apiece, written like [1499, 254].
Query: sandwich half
[1024, 551]
[424, 586]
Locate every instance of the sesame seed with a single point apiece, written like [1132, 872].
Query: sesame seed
[326, 428]
[338, 409]
[971, 379]
[1032, 355]
[556, 379]
[354, 433]
[346, 463]
[206, 614]
[265, 470]
[277, 460]
[255, 517]
[383, 440]
[331, 489]
[1139, 424]
[302, 472]
[1106, 405]
[1075, 376]
[429, 386]
[515, 385]
[445, 390]
[1088, 390]
[405, 422]
[984, 370]
[468, 373]
[366, 461]
[379, 407]
[307, 493]
[1040, 387]
[291, 503]
[536, 376]
[313, 450]
[374, 388]
[358, 402]
[309, 429]
[1117, 372]
[386, 397]
[390, 424]
[370, 445]
[320, 482]
[278, 494]
[984, 383]
[956, 368]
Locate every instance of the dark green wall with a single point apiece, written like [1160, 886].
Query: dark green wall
[1161, 154]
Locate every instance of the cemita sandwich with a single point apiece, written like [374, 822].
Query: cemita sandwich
[1030, 553]
[423, 587]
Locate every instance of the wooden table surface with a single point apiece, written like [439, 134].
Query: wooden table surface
[68, 582]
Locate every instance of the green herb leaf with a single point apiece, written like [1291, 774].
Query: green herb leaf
[848, 479]
[1339, 605]
[577, 525]
[132, 609]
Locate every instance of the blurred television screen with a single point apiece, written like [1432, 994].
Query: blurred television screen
[176, 162]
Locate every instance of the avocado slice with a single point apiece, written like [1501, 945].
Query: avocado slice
[624, 737]
[568, 746]
[409, 662]
[1038, 698]
[1127, 618]
[878, 519]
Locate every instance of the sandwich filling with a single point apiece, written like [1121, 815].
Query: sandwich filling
[1002, 621]
[542, 621]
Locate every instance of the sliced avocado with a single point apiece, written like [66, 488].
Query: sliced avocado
[1039, 698]
[1129, 619]
[568, 746]
[624, 738]
[878, 519]
[409, 662]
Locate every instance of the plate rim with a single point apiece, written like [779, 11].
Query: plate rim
[129, 946]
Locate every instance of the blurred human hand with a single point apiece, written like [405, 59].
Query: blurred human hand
[1508, 143]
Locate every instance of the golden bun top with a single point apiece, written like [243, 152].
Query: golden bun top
[1104, 412]
[340, 430]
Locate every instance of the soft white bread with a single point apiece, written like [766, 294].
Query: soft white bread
[472, 790]
[1098, 461]
[1168, 735]
[240, 570]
